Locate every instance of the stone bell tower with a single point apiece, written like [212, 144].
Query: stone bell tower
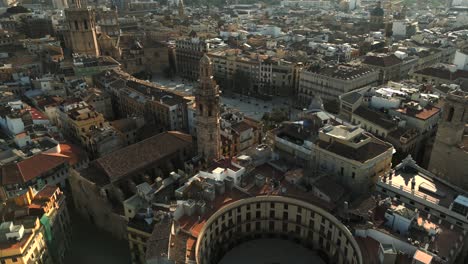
[181, 9]
[81, 37]
[208, 112]
[449, 157]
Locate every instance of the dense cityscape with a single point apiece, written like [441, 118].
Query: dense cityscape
[236, 131]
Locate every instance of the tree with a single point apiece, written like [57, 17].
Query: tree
[274, 118]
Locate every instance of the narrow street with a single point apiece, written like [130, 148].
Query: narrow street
[92, 246]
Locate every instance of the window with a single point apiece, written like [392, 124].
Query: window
[450, 114]
[258, 205]
[272, 214]
[85, 24]
[353, 175]
[285, 215]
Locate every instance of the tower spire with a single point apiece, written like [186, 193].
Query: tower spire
[181, 9]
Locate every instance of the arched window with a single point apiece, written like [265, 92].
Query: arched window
[450, 114]
[210, 111]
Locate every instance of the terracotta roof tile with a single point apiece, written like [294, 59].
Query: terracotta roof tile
[46, 192]
[74, 153]
[375, 117]
[382, 61]
[35, 166]
[424, 114]
[361, 154]
[39, 164]
[10, 174]
[37, 115]
[125, 161]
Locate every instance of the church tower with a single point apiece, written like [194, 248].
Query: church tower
[181, 9]
[208, 112]
[449, 157]
[76, 3]
[81, 36]
[377, 17]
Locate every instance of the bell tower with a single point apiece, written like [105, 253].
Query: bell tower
[81, 37]
[75, 3]
[208, 112]
[449, 156]
[181, 9]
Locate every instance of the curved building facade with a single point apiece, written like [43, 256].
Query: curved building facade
[276, 217]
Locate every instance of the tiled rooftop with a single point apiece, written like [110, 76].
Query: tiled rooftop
[382, 60]
[423, 114]
[32, 167]
[134, 157]
[362, 154]
[375, 117]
